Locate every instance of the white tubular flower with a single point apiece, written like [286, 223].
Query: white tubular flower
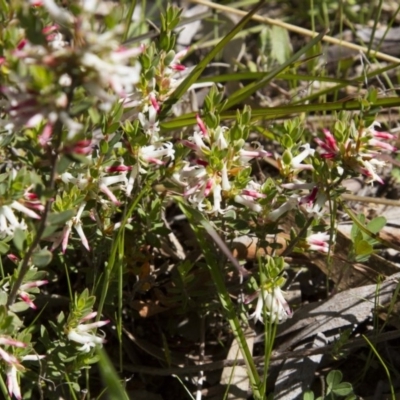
[25, 210]
[106, 181]
[368, 168]
[219, 138]
[150, 123]
[81, 181]
[198, 142]
[132, 178]
[63, 237]
[290, 204]
[298, 185]
[12, 375]
[77, 223]
[296, 161]
[60, 15]
[247, 154]
[225, 179]
[7, 357]
[12, 382]
[216, 209]
[72, 126]
[319, 242]
[154, 154]
[83, 333]
[25, 296]
[121, 78]
[197, 193]
[8, 220]
[248, 202]
[276, 306]
[249, 196]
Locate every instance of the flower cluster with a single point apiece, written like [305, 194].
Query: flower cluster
[95, 59]
[273, 300]
[84, 334]
[359, 150]
[13, 363]
[270, 298]
[218, 161]
[94, 115]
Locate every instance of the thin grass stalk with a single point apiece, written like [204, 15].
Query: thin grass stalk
[270, 329]
[121, 254]
[71, 390]
[376, 21]
[383, 365]
[128, 19]
[289, 111]
[115, 246]
[3, 388]
[71, 294]
[224, 298]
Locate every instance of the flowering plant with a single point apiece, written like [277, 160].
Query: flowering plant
[89, 169]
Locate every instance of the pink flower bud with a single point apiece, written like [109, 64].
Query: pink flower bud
[154, 103]
[201, 125]
[118, 168]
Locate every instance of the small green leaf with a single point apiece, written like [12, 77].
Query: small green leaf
[42, 258]
[60, 218]
[112, 128]
[363, 248]
[49, 230]
[342, 389]
[309, 395]
[3, 298]
[281, 45]
[19, 306]
[19, 238]
[287, 157]
[63, 164]
[376, 224]
[4, 248]
[334, 378]
[287, 142]
[104, 147]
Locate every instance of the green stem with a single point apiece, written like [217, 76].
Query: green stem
[115, 247]
[4, 389]
[120, 296]
[129, 19]
[224, 298]
[26, 262]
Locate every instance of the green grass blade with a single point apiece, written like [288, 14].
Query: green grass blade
[248, 90]
[110, 377]
[116, 246]
[197, 71]
[128, 19]
[254, 76]
[383, 365]
[198, 223]
[290, 110]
